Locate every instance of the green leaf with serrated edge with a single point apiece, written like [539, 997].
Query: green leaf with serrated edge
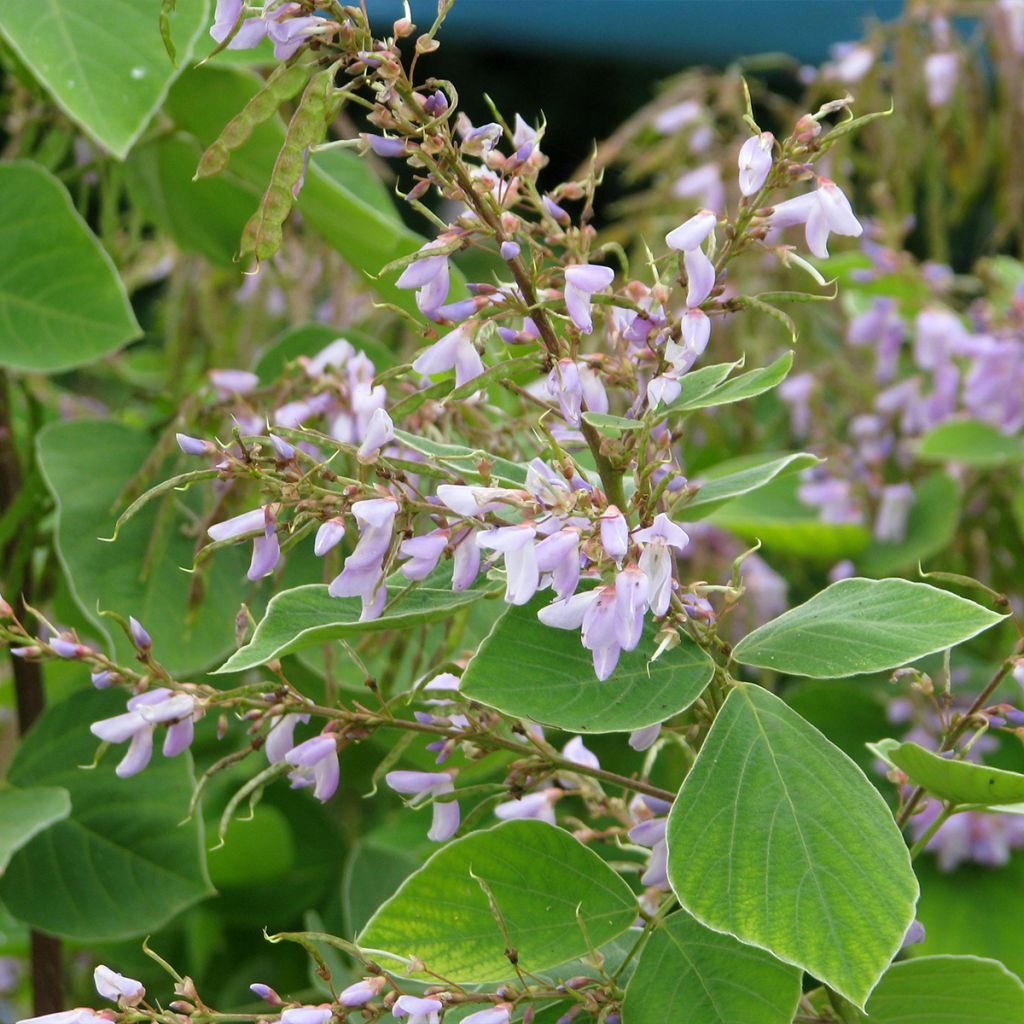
[738, 389]
[736, 477]
[931, 525]
[307, 616]
[464, 460]
[203, 100]
[973, 443]
[960, 782]
[533, 671]
[857, 626]
[777, 838]
[556, 898]
[63, 304]
[120, 865]
[947, 989]
[103, 62]
[710, 977]
[775, 516]
[86, 465]
[24, 813]
[698, 383]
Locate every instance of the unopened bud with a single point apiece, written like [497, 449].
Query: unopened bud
[426, 45]
[142, 640]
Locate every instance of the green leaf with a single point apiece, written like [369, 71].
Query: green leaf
[857, 626]
[103, 62]
[121, 865]
[530, 670]
[86, 465]
[63, 304]
[698, 383]
[950, 989]
[692, 973]
[556, 897]
[973, 443]
[24, 813]
[931, 525]
[777, 838]
[736, 477]
[786, 526]
[738, 389]
[960, 782]
[613, 426]
[308, 616]
[205, 99]
[464, 460]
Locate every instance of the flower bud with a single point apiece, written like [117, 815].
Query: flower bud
[142, 640]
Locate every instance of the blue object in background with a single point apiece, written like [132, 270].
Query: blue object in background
[669, 33]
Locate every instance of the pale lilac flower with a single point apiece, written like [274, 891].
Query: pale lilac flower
[117, 988]
[893, 508]
[582, 280]
[576, 752]
[553, 210]
[466, 562]
[986, 839]
[282, 449]
[140, 637]
[315, 763]
[68, 648]
[294, 414]
[938, 335]
[266, 549]
[102, 680]
[383, 145]
[651, 833]
[643, 739]
[281, 737]
[516, 545]
[850, 62]
[492, 1015]
[423, 786]
[468, 500]
[194, 445]
[570, 612]
[419, 1011]
[704, 184]
[559, 555]
[537, 806]
[656, 559]
[696, 331]
[361, 992]
[238, 526]
[755, 162]
[822, 211]
[249, 34]
[423, 554]
[614, 533]
[363, 573]
[79, 1016]
[266, 993]
[594, 393]
[796, 392]
[564, 384]
[139, 722]
[233, 382]
[331, 357]
[692, 233]
[429, 275]
[509, 251]
[632, 590]
[455, 351]
[307, 1015]
[663, 389]
[379, 432]
[600, 632]
[329, 535]
[288, 32]
[679, 115]
[940, 76]
[700, 276]
[1012, 12]
[914, 935]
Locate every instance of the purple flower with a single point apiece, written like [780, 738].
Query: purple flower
[576, 752]
[509, 251]
[600, 631]
[796, 392]
[139, 722]
[822, 211]
[79, 1016]
[663, 390]
[423, 554]
[632, 589]
[266, 993]
[102, 680]
[331, 357]
[700, 276]
[247, 522]
[492, 1015]
[363, 573]
[537, 806]
[424, 786]
[140, 637]
[696, 332]
[614, 533]
[515, 543]
[193, 445]
[361, 992]
[429, 275]
[755, 162]
[329, 535]
[643, 739]
[315, 763]
[307, 1015]
[569, 612]
[651, 833]
[466, 561]
[893, 509]
[266, 549]
[941, 71]
[704, 184]
[581, 282]
[281, 736]
[117, 988]
[379, 432]
[915, 934]
[656, 559]
[384, 146]
[692, 233]
[233, 382]
[454, 351]
[554, 211]
[419, 1011]
[564, 384]
[468, 500]
[559, 555]
[249, 34]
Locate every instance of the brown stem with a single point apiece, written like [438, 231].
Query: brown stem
[47, 988]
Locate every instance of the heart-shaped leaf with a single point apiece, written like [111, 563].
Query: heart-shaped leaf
[24, 813]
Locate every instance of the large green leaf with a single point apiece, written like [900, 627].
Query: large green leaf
[777, 838]
[740, 476]
[947, 989]
[122, 864]
[61, 301]
[857, 626]
[556, 899]
[24, 813]
[365, 234]
[931, 525]
[705, 977]
[308, 616]
[971, 442]
[775, 516]
[960, 782]
[527, 669]
[86, 465]
[103, 61]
